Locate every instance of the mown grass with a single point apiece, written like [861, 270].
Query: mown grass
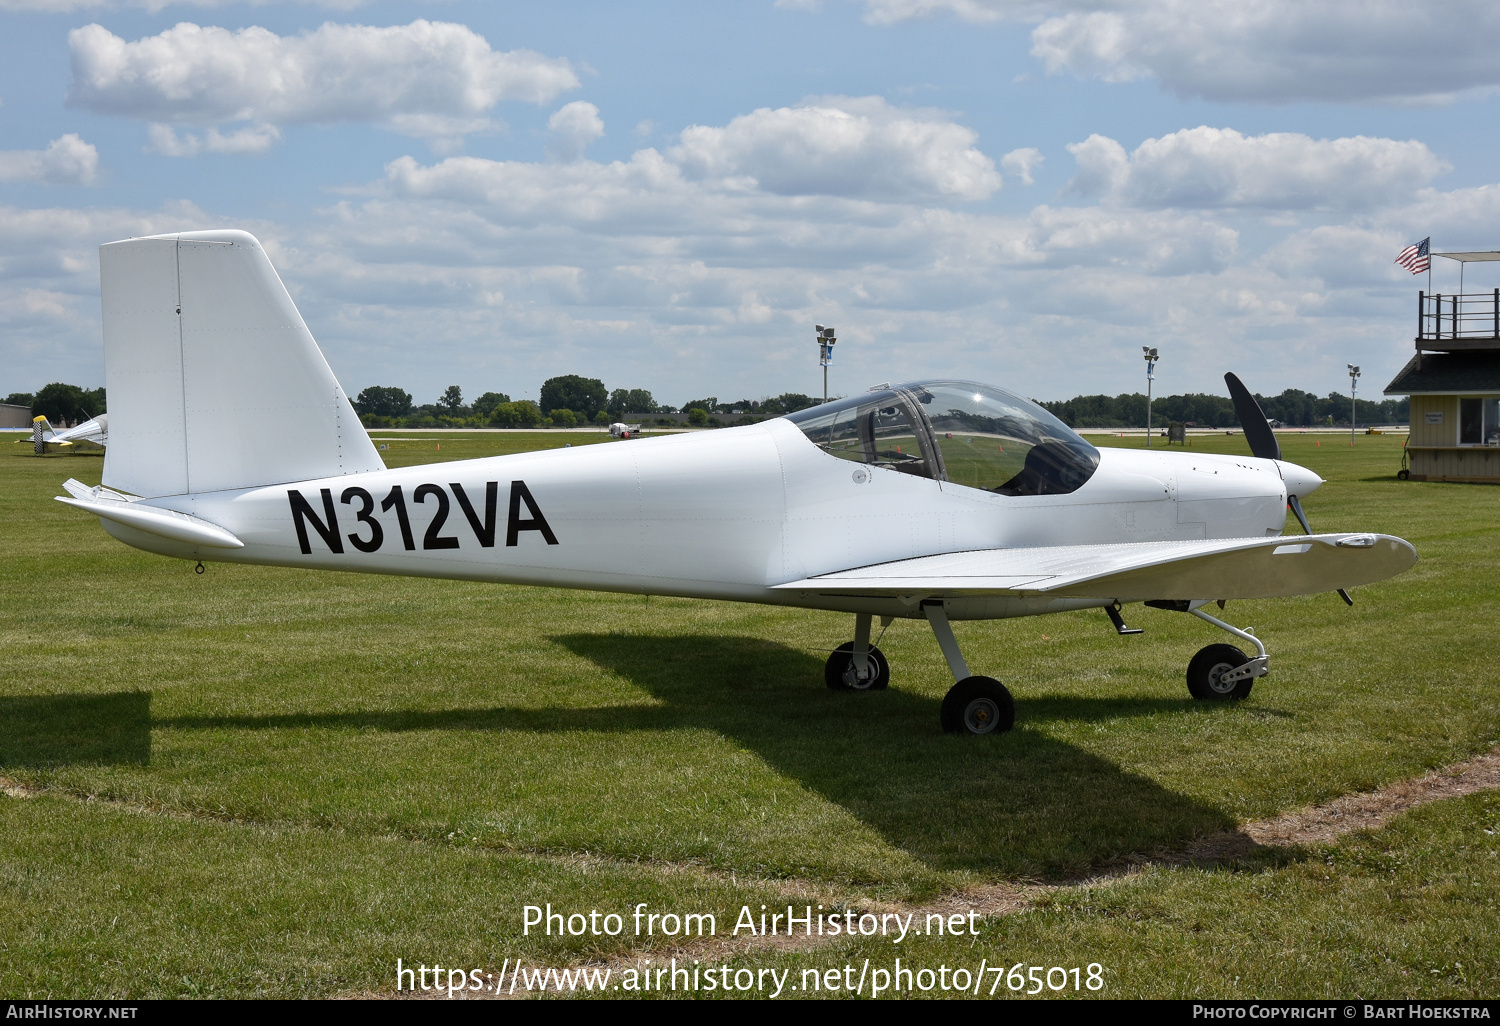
[1408, 911]
[333, 743]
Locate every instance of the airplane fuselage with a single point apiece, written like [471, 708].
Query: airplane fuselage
[726, 514]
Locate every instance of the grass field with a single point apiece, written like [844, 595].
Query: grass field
[277, 782]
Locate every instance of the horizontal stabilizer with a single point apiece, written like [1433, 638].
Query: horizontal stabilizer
[1232, 568]
[165, 523]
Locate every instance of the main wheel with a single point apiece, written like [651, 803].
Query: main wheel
[840, 673]
[978, 705]
[1207, 668]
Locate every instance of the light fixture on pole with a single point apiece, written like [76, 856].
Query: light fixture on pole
[1353, 379]
[826, 341]
[1150, 376]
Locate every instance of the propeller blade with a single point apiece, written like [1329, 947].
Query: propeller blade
[1291, 500]
[1257, 429]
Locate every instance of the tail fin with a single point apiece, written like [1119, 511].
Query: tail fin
[214, 381]
[41, 434]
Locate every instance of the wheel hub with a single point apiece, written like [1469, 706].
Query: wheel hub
[854, 680]
[981, 716]
[1216, 679]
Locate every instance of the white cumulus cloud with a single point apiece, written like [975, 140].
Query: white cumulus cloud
[1280, 51]
[169, 142]
[1220, 168]
[840, 146]
[888, 12]
[573, 127]
[430, 79]
[1022, 163]
[67, 160]
[1267, 51]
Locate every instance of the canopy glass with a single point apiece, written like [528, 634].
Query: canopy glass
[962, 432]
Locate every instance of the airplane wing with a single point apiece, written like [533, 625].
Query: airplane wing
[1231, 568]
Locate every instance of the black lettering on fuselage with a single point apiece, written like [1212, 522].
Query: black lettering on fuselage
[327, 525]
[432, 540]
[367, 507]
[395, 498]
[330, 531]
[514, 525]
[485, 532]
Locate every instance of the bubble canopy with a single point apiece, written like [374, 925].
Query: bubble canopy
[961, 432]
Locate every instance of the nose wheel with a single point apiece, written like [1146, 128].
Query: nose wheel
[1209, 674]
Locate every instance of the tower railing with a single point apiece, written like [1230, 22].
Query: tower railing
[1458, 317]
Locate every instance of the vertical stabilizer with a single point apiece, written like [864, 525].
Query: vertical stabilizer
[214, 381]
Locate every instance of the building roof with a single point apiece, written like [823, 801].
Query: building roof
[1449, 374]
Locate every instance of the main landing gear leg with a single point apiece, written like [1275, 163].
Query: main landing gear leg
[1223, 672]
[857, 665]
[974, 705]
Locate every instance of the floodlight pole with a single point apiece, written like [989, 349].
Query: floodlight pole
[1353, 407]
[826, 340]
[1150, 376]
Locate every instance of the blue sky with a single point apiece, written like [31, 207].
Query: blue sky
[668, 195]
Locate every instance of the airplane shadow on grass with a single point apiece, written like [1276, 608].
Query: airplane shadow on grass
[42, 731]
[1015, 804]
[1018, 804]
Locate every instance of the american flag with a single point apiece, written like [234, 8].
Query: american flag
[1414, 257]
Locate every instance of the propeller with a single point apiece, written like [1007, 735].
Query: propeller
[1258, 431]
[1263, 443]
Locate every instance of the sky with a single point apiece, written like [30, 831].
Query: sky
[668, 195]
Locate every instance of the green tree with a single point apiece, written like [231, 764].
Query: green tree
[453, 399]
[697, 416]
[623, 401]
[602, 418]
[19, 399]
[485, 404]
[708, 405]
[524, 413]
[791, 402]
[563, 417]
[383, 401]
[571, 392]
[67, 404]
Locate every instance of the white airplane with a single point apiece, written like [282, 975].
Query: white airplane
[44, 434]
[935, 500]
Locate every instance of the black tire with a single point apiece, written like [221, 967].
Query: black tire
[839, 675]
[1205, 668]
[978, 705]
[1403, 474]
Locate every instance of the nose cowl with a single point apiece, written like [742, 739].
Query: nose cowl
[1300, 481]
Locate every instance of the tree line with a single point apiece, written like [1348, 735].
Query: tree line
[1293, 408]
[568, 400]
[60, 403]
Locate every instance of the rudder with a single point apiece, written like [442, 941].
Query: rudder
[214, 381]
